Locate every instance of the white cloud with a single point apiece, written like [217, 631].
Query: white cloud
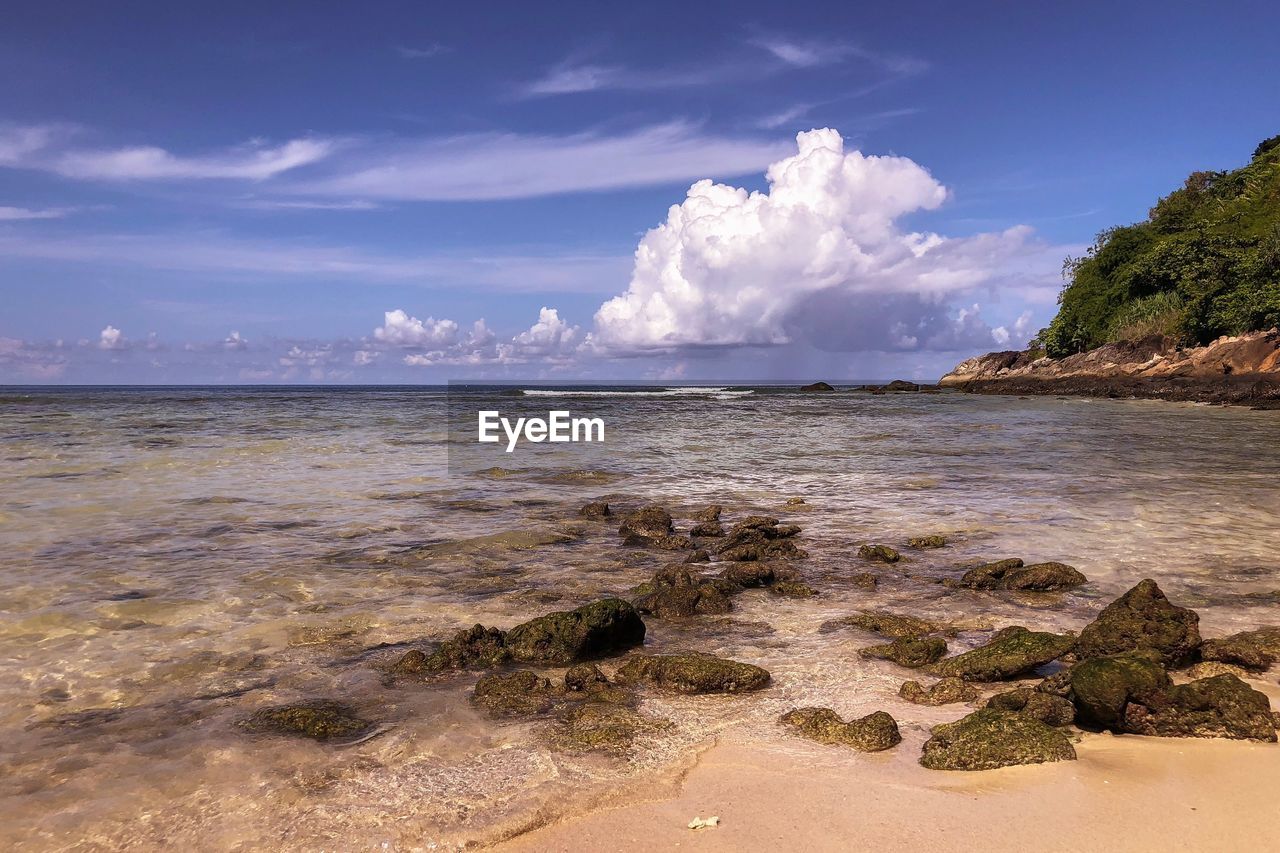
[13, 214]
[399, 329]
[251, 162]
[234, 341]
[111, 338]
[548, 338]
[508, 165]
[813, 53]
[423, 51]
[819, 259]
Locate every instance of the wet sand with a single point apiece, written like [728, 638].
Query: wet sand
[1123, 794]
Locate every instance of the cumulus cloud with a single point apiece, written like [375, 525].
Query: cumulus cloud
[819, 258]
[399, 329]
[549, 337]
[234, 341]
[111, 338]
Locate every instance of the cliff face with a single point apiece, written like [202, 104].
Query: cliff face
[1240, 369]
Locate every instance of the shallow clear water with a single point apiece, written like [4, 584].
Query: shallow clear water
[173, 559]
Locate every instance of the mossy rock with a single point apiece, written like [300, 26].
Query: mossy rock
[1009, 654]
[988, 575]
[1013, 575]
[792, 589]
[1143, 618]
[595, 509]
[1102, 687]
[1253, 650]
[668, 602]
[879, 554]
[322, 720]
[945, 691]
[693, 673]
[707, 529]
[591, 631]
[873, 733]
[476, 647]
[646, 522]
[711, 512]
[990, 738]
[1045, 707]
[891, 625]
[597, 727]
[515, 694]
[924, 543]
[1219, 707]
[912, 652]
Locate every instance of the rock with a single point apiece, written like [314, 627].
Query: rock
[748, 575]
[474, 648]
[864, 580]
[890, 625]
[921, 543]
[911, 653]
[595, 727]
[763, 523]
[1255, 650]
[1222, 707]
[1057, 684]
[760, 538]
[1013, 575]
[693, 673]
[591, 631]
[694, 597]
[1142, 618]
[879, 553]
[990, 738]
[872, 733]
[793, 589]
[707, 529]
[1007, 655]
[796, 502]
[647, 522]
[1210, 668]
[902, 385]
[672, 542]
[698, 556]
[943, 692]
[817, 386]
[595, 509]
[709, 513]
[586, 681]
[1102, 687]
[515, 694]
[1045, 707]
[318, 720]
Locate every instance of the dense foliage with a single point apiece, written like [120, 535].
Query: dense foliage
[1204, 263]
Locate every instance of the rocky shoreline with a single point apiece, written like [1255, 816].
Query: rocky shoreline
[1242, 370]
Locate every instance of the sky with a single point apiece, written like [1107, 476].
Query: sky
[422, 192]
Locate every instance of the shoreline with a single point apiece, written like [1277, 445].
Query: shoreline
[1124, 793]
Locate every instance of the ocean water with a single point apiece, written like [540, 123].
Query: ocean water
[172, 560]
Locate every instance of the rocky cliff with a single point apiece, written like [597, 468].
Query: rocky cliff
[1244, 369]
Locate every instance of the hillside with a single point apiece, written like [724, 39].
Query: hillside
[1204, 263]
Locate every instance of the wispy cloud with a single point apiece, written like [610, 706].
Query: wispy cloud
[421, 51]
[814, 53]
[14, 214]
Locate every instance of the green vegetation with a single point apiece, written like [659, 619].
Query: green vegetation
[1204, 263]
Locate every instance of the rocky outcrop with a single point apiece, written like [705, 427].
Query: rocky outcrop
[943, 692]
[1102, 687]
[990, 738]
[873, 733]
[1220, 707]
[1244, 369]
[1010, 653]
[1254, 650]
[913, 652]
[1013, 575]
[476, 647]
[591, 631]
[879, 553]
[892, 625]
[1143, 618]
[817, 386]
[693, 672]
[1045, 707]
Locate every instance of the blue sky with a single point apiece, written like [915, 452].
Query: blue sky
[351, 191]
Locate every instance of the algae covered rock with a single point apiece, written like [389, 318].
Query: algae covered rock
[879, 554]
[515, 694]
[943, 692]
[990, 738]
[1102, 687]
[1254, 650]
[1219, 707]
[595, 727]
[872, 733]
[1142, 618]
[591, 631]
[707, 529]
[319, 720]
[693, 672]
[1009, 654]
[1045, 707]
[1013, 575]
[476, 647]
[921, 543]
[892, 625]
[760, 537]
[680, 591]
[792, 589]
[595, 509]
[911, 652]
[649, 522]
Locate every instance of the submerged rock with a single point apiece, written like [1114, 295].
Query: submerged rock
[1142, 618]
[515, 694]
[677, 591]
[1102, 687]
[649, 522]
[1010, 653]
[943, 692]
[792, 589]
[760, 537]
[990, 738]
[879, 554]
[872, 733]
[595, 509]
[475, 647]
[591, 631]
[596, 727]
[911, 652]
[318, 720]
[1255, 650]
[1220, 707]
[892, 625]
[1013, 575]
[921, 543]
[1045, 707]
[693, 672]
